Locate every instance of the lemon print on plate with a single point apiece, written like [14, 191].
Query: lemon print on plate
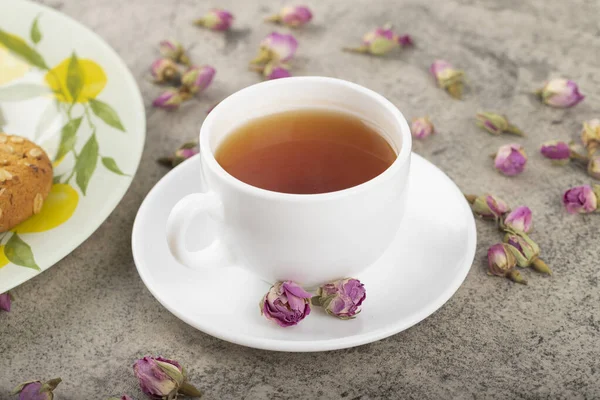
[11, 67]
[57, 209]
[93, 80]
[3, 259]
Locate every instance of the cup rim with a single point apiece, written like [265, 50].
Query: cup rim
[401, 160]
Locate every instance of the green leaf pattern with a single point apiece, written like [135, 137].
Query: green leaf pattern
[16, 249]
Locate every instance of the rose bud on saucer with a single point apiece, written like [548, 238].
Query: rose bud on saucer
[488, 206]
[581, 199]
[174, 50]
[496, 124]
[502, 262]
[185, 151]
[276, 47]
[448, 78]
[560, 93]
[169, 100]
[165, 70]
[216, 20]
[526, 252]
[518, 220]
[377, 42]
[590, 135]
[422, 128]
[286, 303]
[37, 390]
[5, 301]
[557, 151]
[292, 16]
[510, 159]
[196, 78]
[160, 378]
[341, 298]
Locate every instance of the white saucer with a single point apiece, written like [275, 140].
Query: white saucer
[426, 264]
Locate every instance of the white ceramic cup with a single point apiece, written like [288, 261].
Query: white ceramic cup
[310, 239]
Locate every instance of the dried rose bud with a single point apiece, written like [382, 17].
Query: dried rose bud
[165, 70]
[160, 378]
[510, 159]
[276, 70]
[496, 124]
[286, 303]
[518, 219]
[5, 300]
[341, 298]
[37, 390]
[557, 151]
[590, 135]
[217, 20]
[561, 93]
[196, 79]
[377, 42]
[593, 167]
[175, 51]
[488, 206]
[422, 128]
[581, 199]
[292, 16]
[185, 151]
[448, 78]
[502, 262]
[526, 252]
[169, 100]
[405, 40]
[276, 47]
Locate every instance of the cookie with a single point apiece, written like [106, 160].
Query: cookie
[25, 180]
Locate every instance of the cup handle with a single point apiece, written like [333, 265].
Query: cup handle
[214, 254]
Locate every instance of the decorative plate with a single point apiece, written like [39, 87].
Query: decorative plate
[66, 89]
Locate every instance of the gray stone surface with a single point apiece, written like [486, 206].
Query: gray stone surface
[89, 317]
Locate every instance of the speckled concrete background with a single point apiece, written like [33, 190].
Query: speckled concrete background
[89, 317]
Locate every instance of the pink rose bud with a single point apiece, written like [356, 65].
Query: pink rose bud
[502, 262]
[164, 70]
[405, 40]
[276, 71]
[36, 390]
[196, 79]
[561, 93]
[557, 151]
[377, 42]
[518, 219]
[581, 199]
[448, 78]
[593, 167]
[160, 378]
[526, 252]
[276, 47]
[510, 159]
[590, 135]
[286, 303]
[488, 206]
[169, 100]
[422, 128]
[185, 151]
[5, 300]
[174, 51]
[292, 16]
[217, 20]
[496, 124]
[341, 298]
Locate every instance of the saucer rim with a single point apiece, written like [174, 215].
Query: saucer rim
[316, 345]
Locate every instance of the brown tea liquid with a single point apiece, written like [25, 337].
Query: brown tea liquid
[305, 152]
